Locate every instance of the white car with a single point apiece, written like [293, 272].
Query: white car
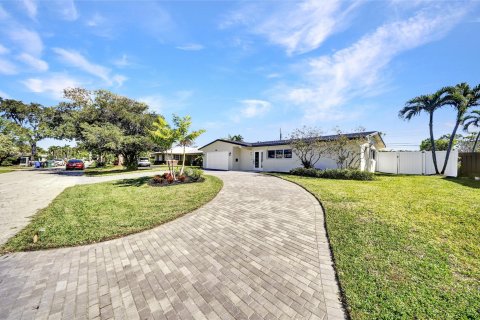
[58, 162]
[144, 162]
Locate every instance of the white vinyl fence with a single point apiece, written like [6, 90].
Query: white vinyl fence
[416, 162]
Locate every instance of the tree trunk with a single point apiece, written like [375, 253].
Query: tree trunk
[432, 143]
[131, 161]
[34, 150]
[476, 142]
[183, 164]
[173, 169]
[450, 144]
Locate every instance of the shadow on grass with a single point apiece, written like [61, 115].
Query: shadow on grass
[137, 182]
[467, 182]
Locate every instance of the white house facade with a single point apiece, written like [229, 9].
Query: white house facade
[278, 156]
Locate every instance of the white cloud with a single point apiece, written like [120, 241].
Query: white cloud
[191, 47]
[77, 60]
[96, 20]
[254, 108]
[7, 68]
[122, 62]
[31, 7]
[357, 71]
[3, 13]
[28, 40]
[53, 84]
[299, 27]
[3, 50]
[4, 95]
[162, 104]
[33, 62]
[66, 9]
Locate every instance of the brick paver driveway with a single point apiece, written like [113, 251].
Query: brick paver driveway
[258, 250]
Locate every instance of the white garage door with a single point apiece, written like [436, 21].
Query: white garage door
[217, 160]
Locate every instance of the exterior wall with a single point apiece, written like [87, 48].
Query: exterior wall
[245, 156]
[246, 159]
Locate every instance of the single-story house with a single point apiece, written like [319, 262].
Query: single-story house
[176, 153]
[278, 156]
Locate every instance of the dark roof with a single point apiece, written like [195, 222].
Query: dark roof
[282, 142]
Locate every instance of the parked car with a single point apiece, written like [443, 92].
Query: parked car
[75, 164]
[58, 162]
[144, 162]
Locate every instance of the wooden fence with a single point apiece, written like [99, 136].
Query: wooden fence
[469, 164]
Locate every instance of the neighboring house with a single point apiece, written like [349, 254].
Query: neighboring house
[191, 155]
[278, 156]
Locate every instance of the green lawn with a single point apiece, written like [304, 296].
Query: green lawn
[6, 169]
[90, 213]
[112, 170]
[405, 247]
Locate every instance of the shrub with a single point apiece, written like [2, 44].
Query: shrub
[345, 174]
[182, 178]
[158, 179]
[194, 174]
[310, 172]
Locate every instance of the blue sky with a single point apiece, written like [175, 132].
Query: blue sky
[247, 67]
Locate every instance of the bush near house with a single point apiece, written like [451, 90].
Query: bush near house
[344, 174]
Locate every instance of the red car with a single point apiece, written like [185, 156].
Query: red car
[75, 164]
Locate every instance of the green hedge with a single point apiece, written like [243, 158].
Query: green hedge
[345, 174]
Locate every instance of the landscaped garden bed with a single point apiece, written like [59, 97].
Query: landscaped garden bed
[405, 247]
[97, 212]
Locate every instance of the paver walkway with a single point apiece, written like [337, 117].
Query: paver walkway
[258, 250]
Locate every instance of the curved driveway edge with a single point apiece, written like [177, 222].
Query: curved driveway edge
[256, 251]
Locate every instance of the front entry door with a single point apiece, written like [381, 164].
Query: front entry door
[258, 160]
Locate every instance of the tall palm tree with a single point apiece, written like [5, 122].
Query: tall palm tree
[462, 98]
[429, 104]
[473, 119]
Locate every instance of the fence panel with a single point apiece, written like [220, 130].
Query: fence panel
[470, 164]
[416, 162]
[411, 162]
[387, 162]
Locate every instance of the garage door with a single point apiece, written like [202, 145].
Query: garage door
[217, 160]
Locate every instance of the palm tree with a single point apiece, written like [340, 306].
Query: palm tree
[429, 104]
[185, 138]
[462, 98]
[164, 136]
[473, 119]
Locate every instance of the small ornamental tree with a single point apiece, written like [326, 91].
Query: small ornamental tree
[346, 151]
[185, 138]
[163, 136]
[308, 145]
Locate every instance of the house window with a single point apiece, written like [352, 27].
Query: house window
[271, 154]
[176, 157]
[287, 153]
[279, 154]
